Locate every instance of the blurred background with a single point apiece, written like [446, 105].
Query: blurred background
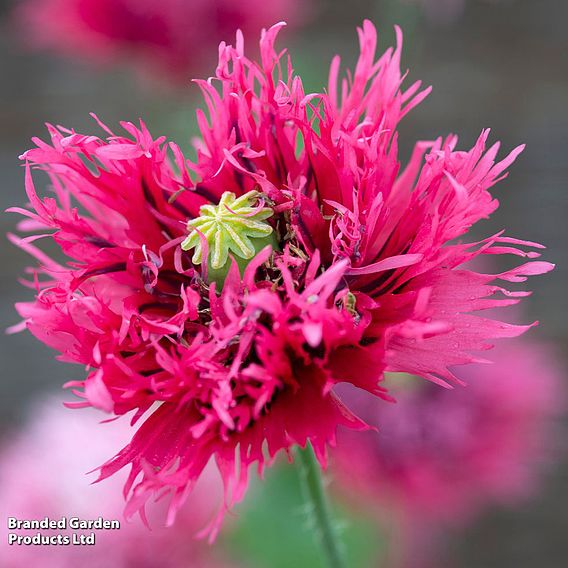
[493, 63]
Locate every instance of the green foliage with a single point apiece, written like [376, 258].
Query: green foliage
[273, 528]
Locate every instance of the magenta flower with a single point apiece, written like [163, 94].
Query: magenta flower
[42, 474]
[444, 454]
[225, 297]
[169, 38]
[442, 457]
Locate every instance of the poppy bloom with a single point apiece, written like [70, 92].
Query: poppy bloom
[168, 39]
[225, 297]
[441, 457]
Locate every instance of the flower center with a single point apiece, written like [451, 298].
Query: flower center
[237, 226]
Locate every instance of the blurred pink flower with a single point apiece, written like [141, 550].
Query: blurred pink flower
[442, 456]
[364, 272]
[167, 38]
[43, 474]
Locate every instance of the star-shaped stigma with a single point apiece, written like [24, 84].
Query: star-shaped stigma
[235, 225]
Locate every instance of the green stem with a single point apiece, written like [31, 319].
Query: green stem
[310, 474]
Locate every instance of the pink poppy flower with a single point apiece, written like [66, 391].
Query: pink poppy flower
[224, 297]
[169, 38]
[43, 474]
[441, 457]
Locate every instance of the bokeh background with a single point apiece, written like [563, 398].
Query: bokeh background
[497, 63]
